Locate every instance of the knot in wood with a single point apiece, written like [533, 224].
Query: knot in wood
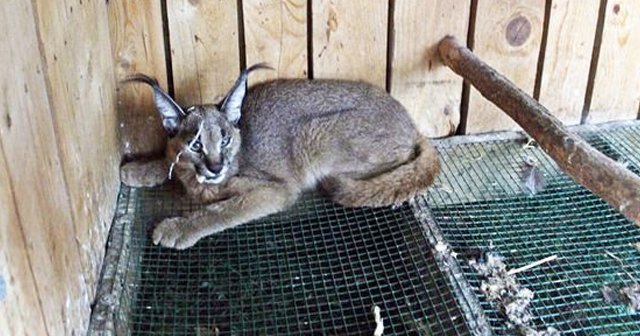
[518, 31]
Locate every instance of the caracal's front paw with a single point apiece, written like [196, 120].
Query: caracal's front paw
[142, 174]
[175, 233]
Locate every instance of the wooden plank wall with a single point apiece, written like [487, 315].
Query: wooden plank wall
[350, 39]
[58, 162]
[137, 37]
[552, 49]
[616, 91]
[507, 36]
[276, 32]
[567, 57]
[430, 91]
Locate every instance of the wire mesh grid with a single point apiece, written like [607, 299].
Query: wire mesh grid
[316, 269]
[480, 204]
[319, 268]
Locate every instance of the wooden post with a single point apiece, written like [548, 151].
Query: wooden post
[603, 176]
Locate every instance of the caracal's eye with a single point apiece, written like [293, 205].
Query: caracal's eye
[196, 146]
[226, 139]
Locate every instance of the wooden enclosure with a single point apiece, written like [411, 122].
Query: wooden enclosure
[66, 120]
[59, 157]
[579, 58]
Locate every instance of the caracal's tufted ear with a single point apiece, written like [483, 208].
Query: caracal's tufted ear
[170, 111]
[232, 103]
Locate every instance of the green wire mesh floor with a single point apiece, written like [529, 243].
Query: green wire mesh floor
[319, 268]
[316, 269]
[480, 205]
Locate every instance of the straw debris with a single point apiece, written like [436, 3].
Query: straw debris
[375, 311]
[628, 296]
[510, 298]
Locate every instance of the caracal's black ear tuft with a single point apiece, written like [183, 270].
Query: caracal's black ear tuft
[170, 111]
[232, 103]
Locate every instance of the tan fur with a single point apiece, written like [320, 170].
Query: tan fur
[351, 138]
[394, 186]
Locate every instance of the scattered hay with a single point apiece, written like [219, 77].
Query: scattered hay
[379, 322]
[175, 161]
[502, 289]
[631, 296]
[628, 296]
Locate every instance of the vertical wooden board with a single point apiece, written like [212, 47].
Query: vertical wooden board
[20, 311]
[507, 36]
[276, 33]
[571, 31]
[137, 44]
[74, 40]
[34, 167]
[430, 91]
[616, 90]
[204, 49]
[350, 39]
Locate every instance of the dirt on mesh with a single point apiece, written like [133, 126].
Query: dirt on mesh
[629, 296]
[510, 298]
